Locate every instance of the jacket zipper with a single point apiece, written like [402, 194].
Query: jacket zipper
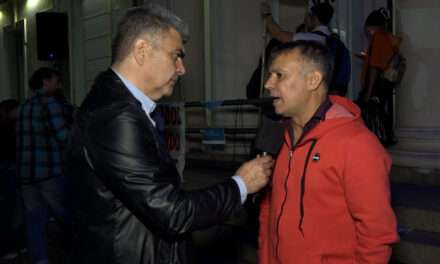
[302, 191]
[290, 156]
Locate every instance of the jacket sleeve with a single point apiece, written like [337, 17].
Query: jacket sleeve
[123, 154]
[263, 235]
[367, 192]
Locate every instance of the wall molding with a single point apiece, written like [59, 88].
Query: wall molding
[416, 159]
[424, 133]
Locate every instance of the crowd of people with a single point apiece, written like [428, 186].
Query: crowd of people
[104, 174]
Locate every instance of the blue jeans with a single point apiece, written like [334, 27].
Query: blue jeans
[42, 200]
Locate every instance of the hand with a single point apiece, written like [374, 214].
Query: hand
[265, 10]
[255, 173]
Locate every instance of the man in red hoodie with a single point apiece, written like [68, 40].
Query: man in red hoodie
[329, 201]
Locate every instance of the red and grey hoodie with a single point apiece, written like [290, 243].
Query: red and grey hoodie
[329, 198]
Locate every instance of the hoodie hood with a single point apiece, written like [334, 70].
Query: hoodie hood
[342, 112]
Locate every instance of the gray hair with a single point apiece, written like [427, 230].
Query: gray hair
[151, 20]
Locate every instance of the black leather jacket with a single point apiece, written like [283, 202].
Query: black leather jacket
[128, 206]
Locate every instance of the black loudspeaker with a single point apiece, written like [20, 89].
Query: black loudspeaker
[52, 41]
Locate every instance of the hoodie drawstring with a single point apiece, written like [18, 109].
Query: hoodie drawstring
[303, 185]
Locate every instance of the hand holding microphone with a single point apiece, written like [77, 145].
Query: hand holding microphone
[256, 173]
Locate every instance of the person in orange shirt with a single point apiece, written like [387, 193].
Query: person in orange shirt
[377, 93]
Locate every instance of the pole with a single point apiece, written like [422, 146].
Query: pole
[263, 70]
[263, 57]
[208, 56]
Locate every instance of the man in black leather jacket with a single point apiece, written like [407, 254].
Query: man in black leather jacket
[128, 206]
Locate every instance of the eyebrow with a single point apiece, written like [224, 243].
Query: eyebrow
[277, 70]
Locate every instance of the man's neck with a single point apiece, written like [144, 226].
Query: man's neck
[124, 71]
[297, 132]
[300, 120]
[323, 28]
[130, 73]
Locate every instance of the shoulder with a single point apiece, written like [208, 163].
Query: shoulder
[108, 98]
[355, 149]
[310, 36]
[116, 112]
[362, 142]
[357, 131]
[355, 136]
[121, 126]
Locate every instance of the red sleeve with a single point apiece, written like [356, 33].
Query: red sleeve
[367, 191]
[263, 243]
[381, 51]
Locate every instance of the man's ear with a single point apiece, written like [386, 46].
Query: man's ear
[141, 50]
[314, 80]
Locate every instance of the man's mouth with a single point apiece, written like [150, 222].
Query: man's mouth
[276, 99]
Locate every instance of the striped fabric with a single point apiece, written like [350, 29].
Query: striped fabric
[41, 134]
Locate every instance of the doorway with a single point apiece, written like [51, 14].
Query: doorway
[14, 47]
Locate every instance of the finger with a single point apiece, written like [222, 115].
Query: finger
[267, 165]
[268, 172]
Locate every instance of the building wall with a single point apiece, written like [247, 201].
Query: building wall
[6, 19]
[18, 54]
[419, 94]
[417, 107]
[193, 83]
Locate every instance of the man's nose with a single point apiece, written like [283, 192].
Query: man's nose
[269, 83]
[180, 67]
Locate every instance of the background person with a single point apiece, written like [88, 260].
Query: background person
[376, 97]
[42, 131]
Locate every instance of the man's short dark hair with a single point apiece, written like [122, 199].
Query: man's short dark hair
[323, 11]
[152, 21]
[377, 18]
[313, 53]
[43, 73]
